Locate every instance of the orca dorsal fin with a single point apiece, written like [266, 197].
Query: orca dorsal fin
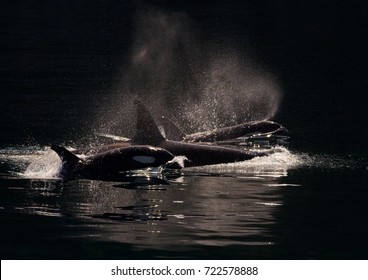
[69, 160]
[65, 155]
[147, 132]
[172, 131]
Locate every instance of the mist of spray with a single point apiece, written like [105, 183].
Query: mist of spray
[178, 76]
[160, 69]
[232, 92]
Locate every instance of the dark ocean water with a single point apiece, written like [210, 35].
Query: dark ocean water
[288, 206]
[62, 64]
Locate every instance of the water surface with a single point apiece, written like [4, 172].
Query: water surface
[287, 205]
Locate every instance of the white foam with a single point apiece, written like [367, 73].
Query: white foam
[274, 165]
[46, 166]
[180, 160]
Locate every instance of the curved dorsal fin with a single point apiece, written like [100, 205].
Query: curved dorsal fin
[69, 160]
[147, 132]
[172, 131]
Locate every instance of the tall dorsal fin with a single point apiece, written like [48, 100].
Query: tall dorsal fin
[172, 131]
[147, 132]
[69, 160]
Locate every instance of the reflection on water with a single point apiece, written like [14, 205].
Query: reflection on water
[217, 210]
[253, 209]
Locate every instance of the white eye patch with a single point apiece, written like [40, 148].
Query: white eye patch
[144, 159]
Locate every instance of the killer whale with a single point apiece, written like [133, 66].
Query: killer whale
[222, 135]
[110, 162]
[147, 133]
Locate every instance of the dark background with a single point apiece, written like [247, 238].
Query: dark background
[59, 64]
[70, 53]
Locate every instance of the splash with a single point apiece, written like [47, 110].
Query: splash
[233, 92]
[279, 163]
[15, 159]
[182, 77]
[34, 162]
[276, 164]
[159, 70]
[332, 162]
[179, 160]
[45, 166]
